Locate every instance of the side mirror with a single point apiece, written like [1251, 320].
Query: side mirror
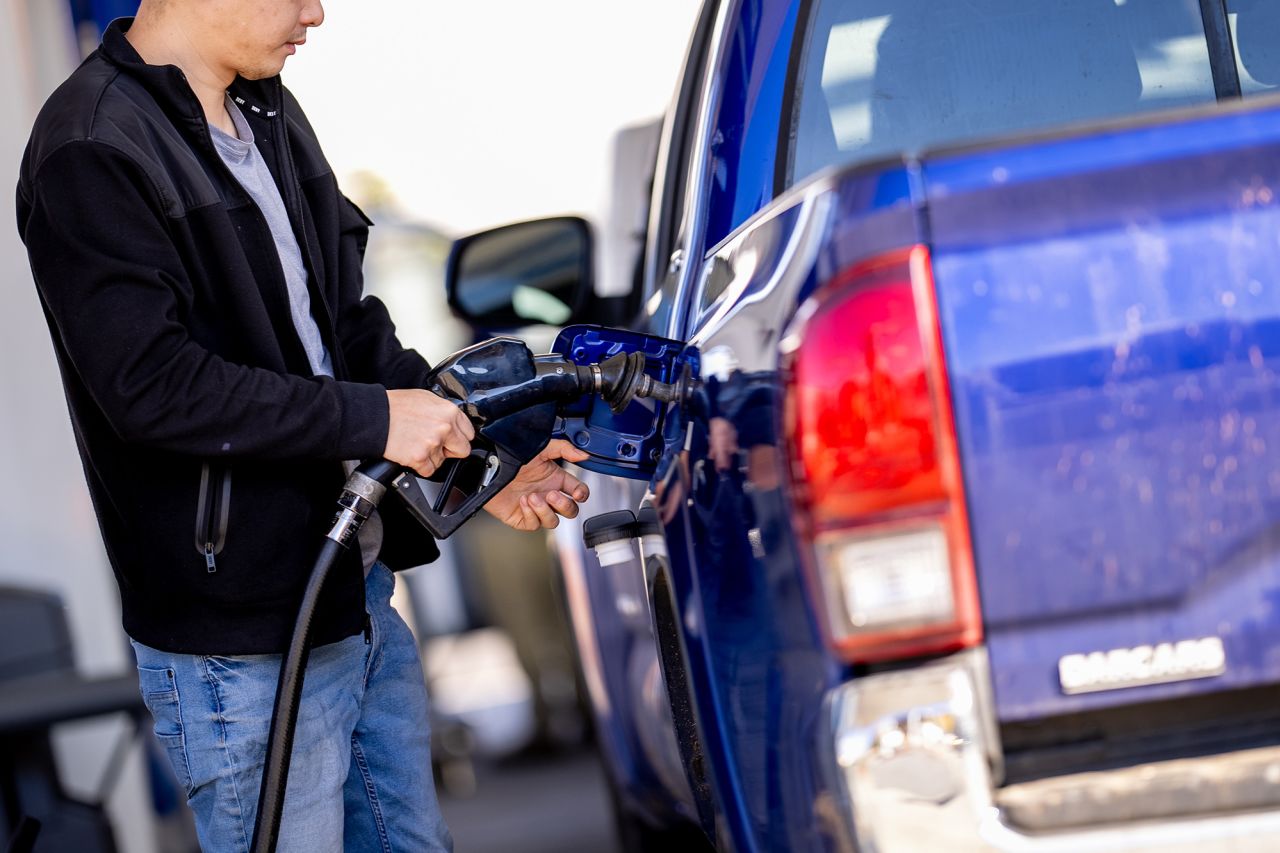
[522, 274]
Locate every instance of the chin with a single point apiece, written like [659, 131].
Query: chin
[263, 71]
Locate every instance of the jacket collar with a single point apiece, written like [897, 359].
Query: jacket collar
[168, 85]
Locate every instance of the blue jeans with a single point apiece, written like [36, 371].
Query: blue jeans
[360, 779]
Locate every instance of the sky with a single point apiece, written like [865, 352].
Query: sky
[476, 114]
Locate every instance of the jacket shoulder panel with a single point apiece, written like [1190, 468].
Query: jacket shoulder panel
[67, 115]
[97, 103]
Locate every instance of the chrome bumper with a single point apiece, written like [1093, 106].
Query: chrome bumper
[915, 755]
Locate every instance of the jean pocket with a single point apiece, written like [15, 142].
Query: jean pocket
[160, 695]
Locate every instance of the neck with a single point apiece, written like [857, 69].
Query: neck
[168, 40]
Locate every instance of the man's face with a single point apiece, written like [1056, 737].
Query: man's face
[255, 37]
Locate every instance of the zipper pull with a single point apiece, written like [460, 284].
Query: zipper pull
[208, 558]
[368, 630]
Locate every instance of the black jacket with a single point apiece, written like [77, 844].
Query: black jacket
[212, 455]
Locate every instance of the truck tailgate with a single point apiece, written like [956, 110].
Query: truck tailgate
[1110, 307]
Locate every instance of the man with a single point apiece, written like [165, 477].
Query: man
[200, 273]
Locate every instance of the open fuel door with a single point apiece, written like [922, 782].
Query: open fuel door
[541, 273]
[626, 443]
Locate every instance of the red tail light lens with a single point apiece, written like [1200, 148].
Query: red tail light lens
[876, 464]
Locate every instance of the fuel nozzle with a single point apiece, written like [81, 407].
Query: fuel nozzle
[620, 378]
[517, 402]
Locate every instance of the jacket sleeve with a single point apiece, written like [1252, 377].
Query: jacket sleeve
[368, 337]
[116, 292]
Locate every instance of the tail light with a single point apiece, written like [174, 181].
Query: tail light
[876, 465]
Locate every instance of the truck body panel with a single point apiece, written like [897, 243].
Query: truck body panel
[1110, 306]
[1107, 297]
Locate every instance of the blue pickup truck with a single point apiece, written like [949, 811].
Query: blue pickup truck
[968, 537]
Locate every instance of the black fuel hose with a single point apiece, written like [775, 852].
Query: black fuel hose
[364, 489]
[284, 718]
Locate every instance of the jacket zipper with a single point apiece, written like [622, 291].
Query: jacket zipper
[212, 513]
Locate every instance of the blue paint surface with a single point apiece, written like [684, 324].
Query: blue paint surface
[1110, 307]
[757, 666]
[626, 443]
[752, 86]
[1111, 334]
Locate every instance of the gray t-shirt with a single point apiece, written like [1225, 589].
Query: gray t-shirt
[249, 168]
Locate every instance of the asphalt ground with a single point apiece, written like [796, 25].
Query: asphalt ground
[543, 803]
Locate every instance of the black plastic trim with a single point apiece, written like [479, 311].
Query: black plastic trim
[1125, 735]
[1222, 51]
[671, 657]
[784, 158]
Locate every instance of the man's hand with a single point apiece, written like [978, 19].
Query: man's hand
[425, 429]
[542, 491]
